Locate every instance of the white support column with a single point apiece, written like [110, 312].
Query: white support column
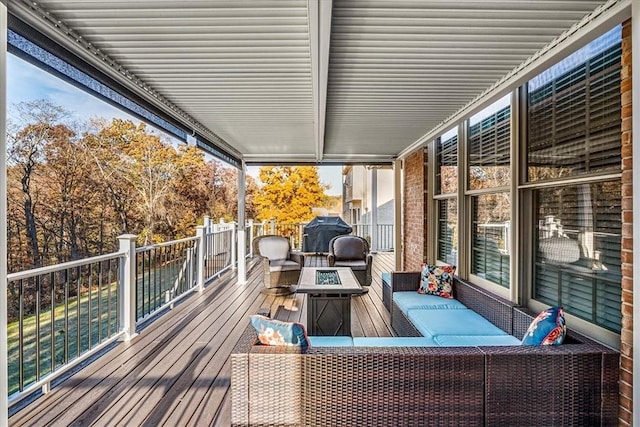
[397, 214]
[4, 384]
[374, 209]
[128, 286]
[201, 232]
[242, 243]
[635, 125]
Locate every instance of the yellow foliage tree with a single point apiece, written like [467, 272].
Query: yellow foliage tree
[289, 193]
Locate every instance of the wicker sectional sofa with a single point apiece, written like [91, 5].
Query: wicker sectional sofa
[408, 385]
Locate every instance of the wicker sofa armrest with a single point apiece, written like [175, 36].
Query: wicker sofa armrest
[405, 281]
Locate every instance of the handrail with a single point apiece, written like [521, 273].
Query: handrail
[164, 244]
[63, 266]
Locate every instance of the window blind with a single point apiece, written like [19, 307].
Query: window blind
[585, 219]
[490, 247]
[447, 165]
[448, 231]
[574, 119]
[489, 151]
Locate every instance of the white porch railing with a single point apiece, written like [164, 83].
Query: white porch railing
[68, 312]
[295, 233]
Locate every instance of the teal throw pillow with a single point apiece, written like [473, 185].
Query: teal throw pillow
[277, 332]
[547, 329]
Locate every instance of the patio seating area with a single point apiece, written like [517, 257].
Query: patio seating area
[465, 379]
[177, 370]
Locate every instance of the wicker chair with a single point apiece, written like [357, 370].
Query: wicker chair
[281, 266]
[352, 251]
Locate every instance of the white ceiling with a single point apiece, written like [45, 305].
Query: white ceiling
[254, 71]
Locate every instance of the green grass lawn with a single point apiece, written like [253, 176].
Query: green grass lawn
[96, 323]
[90, 321]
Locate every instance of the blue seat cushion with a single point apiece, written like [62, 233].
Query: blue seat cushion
[394, 342]
[452, 322]
[329, 341]
[409, 300]
[475, 340]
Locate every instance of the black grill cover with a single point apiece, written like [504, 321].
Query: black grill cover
[321, 230]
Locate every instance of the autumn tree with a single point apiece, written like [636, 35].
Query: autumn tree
[32, 126]
[71, 192]
[289, 193]
[142, 162]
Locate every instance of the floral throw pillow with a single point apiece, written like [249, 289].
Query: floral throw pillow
[277, 332]
[547, 329]
[437, 280]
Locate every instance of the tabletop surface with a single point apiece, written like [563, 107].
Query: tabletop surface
[348, 281]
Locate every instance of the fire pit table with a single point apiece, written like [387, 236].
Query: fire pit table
[329, 291]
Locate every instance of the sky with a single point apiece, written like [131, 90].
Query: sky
[26, 82]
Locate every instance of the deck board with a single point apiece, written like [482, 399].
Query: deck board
[176, 371]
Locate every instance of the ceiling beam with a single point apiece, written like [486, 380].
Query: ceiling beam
[319, 40]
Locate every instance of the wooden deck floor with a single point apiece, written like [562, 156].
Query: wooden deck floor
[176, 371]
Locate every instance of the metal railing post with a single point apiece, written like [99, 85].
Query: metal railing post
[301, 234]
[233, 246]
[251, 238]
[200, 232]
[128, 286]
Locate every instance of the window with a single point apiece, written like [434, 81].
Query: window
[490, 147]
[490, 239]
[489, 177]
[447, 159]
[574, 113]
[573, 137]
[577, 262]
[446, 194]
[448, 231]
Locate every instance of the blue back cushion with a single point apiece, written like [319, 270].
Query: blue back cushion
[409, 300]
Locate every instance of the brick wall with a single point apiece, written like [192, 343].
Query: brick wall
[414, 210]
[626, 338]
